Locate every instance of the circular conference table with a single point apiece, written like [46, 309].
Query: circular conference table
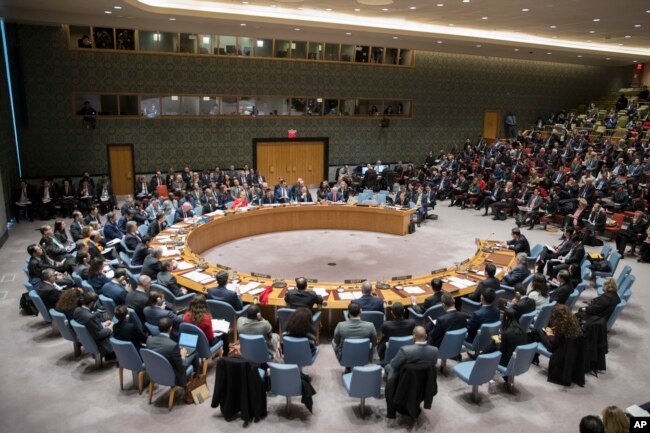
[186, 241]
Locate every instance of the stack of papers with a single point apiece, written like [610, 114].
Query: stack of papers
[414, 290]
[232, 286]
[199, 277]
[257, 291]
[177, 226]
[215, 213]
[460, 283]
[248, 287]
[113, 242]
[220, 326]
[349, 296]
[169, 252]
[184, 266]
[321, 291]
[163, 239]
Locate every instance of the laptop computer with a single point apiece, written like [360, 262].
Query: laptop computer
[188, 341]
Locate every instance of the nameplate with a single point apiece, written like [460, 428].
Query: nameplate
[437, 271]
[311, 280]
[464, 261]
[224, 267]
[353, 281]
[255, 274]
[401, 277]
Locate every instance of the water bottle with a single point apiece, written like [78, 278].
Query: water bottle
[492, 387]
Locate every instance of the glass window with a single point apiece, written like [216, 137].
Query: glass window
[128, 105]
[171, 106]
[315, 106]
[332, 52]
[125, 39]
[361, 53]
[272, 106]
[331, 107]
[190, 105]
[108, 105]
[316, 51]
[247, 106]
[349, 107]
[377, 55]
[244, 46]
[103, 38]
[207, 43]
[227, 45]
[209, 106]
[398, 108]
[347, 53]
[94, 104]
[406, 57]
[263, 48]
[165, 42]
[150, 106]
[282, 48]
[391, 56]
[80, 37]
[229, 106]
[370, 107]
[298, 50]
[298, 106]
[189, 43]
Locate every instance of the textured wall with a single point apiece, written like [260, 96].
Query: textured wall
[449, 92]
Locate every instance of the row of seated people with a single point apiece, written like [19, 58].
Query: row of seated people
[612, 419]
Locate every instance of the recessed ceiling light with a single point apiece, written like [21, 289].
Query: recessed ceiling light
[553, 37]
[395, 37]
[451, 25]
[628, 36]
[413, 8]
[589, 40]
[108, 12]
[553, 27]
[467, 1]
[245, 3]
[620, 45]
[438, 42]
[328, 9]
[440, 5]
[348, 33]
[357, 10]
[635, 61]
[596, 20]
[478, 45]
[243, 24]
[637, 25]
[607, 58]
[525, 10]
[579, 55]
[172, 19]
[384, 9]
[484, 18]
[297, 29]
[592, 31]
[300, 9]
[516, 49]
[273, 6]
[117, 7]
[549, 53]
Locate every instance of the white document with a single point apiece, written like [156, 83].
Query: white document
[346, 296]
[169, 252]
[199, 277]
[460, 283]
[414, 290]
[232, 286]
[215, 213]
[113, 242]
[321, 291]
[184, 266]
[248, 287]
[257, 291]
[220, 326]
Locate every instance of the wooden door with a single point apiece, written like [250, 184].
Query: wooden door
[290, 160]
[491, 124]
[121, 168]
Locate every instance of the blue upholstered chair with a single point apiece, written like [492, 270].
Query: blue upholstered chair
[160, 371]
[627, 270]
[432, 312]
[374, 317]
[108, 304]
[393, 345]
[152, 329]
[544, 315]
[510, 290]
[204, 350]
[125, 248]
[40, 306]
[133, 316]
[613, 260]
[125, 259]
[77, 279]
[468, 306]
[535, 251]
[297, 351]
[285, 380]
[573, 298]
[253, 348]
[61, 323]
[224, 311]
[519, 363]
[363, 382]
[355, 352]
[525, 320]
[476, 373]
[176, 302]
[615, 314]
[451, 346]
[128, 358]
[483, 337]
[88, 342]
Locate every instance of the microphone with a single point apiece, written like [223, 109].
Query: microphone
[486, 247]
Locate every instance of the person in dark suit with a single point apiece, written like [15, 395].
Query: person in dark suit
[115, 289]
[518, 243]
[367, 301]
[178, 357]
[354, 327]
[634, 233]
[132, 239]
[167, 279]
[141, 251]
[152, 264]
[156, 180]
[521, 303]
[562, 293]
[221, 293]
[76, 225]
[304, 196]
[99, 331]
[23, 200]
[451, 320]
[602, 306]
[430, 301]
[158, 225]
[185, 211]
[126, 330]
[334, 195]
[519, 272]
[574, 256]
[512, 335]
[418, 353]
[597, 219]
[556, 250]
[157, 309]
[138, 299]
[489, 283]
[398, 327]
[110, 228]
[301, 297]
[268, 197]
[283, 193]
[48, 290]
[488, 313]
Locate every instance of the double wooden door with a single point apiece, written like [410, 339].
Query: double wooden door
[291, 159]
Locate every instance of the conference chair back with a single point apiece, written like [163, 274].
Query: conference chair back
[297, 351]
[253, 348]
[40, 306]
[614, 316]
[355, 352]
[543, 316]
[394, 344]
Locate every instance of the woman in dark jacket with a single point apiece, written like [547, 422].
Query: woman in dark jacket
[603, 306]
[300, 325]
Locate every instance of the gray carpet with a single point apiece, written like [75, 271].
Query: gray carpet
[44, 389]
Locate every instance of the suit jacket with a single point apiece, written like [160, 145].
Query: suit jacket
[485, 314]
[180, 215]
[168, 348]
[575, 255]
[307, 199]
[129, 331]
[450, 321]
[114, 291]
[353, 328]
[510, 339]
[153, 315]
[332, 197]
[155, 228]
[516, 275]
[137, 300]
[561, 294]
[151, 266]
[429, 302]
[48, 293]
[394, 328]
[525, 305]
[132, 240]
[221, 293]
[94, 325]
[278, 195]
[140, 253]
[603, 306]
[75, 230]
[370, 303]
[519, 245]
[488, 283]
[302, 298]
[168, 280]
[412, 354]
[112, 232]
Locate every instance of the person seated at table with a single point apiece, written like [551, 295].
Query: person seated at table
[488, 313]
[512, 335]
[240, 201]
[451, 320]
[178, 357]
[185, 211]
[221, 292]
[254, 324]
[518, 243]
[157, 309]
[304, 196]
[283, 193]
[398, 327]
[126, 329]
[562, 293]
[141, 251]
[198, 314]
[158, 225]
[367, 301]
[521, 303]
[92, 320]
[403, 200]
[268, 197]
[430, 301]
[335, 196]
[152, 264]
[167, 279]
[417, 353]
[354, 327]
[301, 297]
[519, 272]
[489, 283]
[301, 325]
[115, 289]
[96, 276]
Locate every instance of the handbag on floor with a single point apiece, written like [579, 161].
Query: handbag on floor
[196, 390]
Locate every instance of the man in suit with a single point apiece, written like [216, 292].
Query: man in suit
[157, 309]
[398, 327]
[268, 198]
[254, 324]
[451, 320]
[367, 301]
[488, 313]
[562, 293]
[304, 196]
[518, 243]
[335, 196]
[596, 220]
[185, 211]
[556, 251]
[24, 200]
[99, 331]
[93, 216]
[283, 193]
[76, 225]
[574, 256]
[141, 251]
[430, 301]
[178, 357]
[157, 180]
[126, 329]
[132, 238]
[519, 272]
[489, 283]
[168, 280]
[48, 290]
[221, 293]
[139, 298]
[521, 304]
[354, 327]
[116, 288]
[634, 233]
[152, 265]
[418, 353]
[301, 297]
